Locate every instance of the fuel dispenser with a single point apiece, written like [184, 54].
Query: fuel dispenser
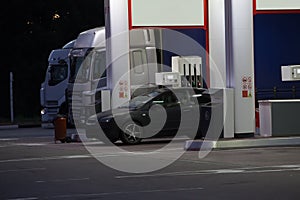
[217, 116]
[190, 70]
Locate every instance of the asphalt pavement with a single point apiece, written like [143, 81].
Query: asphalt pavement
[32, 166]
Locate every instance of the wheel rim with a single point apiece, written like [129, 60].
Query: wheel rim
[132, 132]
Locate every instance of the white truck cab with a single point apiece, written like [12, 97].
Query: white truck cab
[88, 76]
[52, 92]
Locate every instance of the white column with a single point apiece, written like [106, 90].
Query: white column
[231, 57]
[217, 48]
[219, 58]
[242, 54]
[117, 47]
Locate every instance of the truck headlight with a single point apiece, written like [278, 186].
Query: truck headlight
[43, 111]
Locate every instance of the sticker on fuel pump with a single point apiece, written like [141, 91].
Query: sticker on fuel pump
[123, 89]
[246, 86]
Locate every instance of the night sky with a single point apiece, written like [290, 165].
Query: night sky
[30, 30]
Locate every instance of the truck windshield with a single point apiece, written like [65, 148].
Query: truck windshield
[99, 65]
[58, 73]
[80, 67]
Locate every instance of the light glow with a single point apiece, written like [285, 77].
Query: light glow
[277, 5]
[167, 13]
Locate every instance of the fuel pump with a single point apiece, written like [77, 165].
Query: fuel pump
[190, 70]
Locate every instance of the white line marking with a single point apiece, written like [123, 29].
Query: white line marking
[30, 144]
[27, 198]
[261, 169]
[272, 170]
[22, 170]
[58, 158]
[77, 156]
[94, 143]
[8, 139]
[288, 166]
[229, 171]
[40, 181]
[72, 196]
[63, 180]
[23, 144]
[46, 158]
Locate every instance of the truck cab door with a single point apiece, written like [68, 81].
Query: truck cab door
[98, 77]
[139, 73]
[98, 73]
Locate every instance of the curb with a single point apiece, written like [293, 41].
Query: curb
[4, 127]
[15, 126]
[197, 145]
[29, 125]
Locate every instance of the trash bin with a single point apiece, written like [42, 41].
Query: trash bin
[60, 129]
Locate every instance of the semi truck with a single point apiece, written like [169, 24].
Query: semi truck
[88, 88]
[53, 89]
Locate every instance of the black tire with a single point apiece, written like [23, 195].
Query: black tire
[68, 139]
[131, 133]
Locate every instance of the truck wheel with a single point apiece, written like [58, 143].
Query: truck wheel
[131, 133]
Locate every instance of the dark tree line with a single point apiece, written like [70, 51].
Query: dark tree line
[30, 30]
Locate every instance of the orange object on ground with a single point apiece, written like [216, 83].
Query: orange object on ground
[60, 129]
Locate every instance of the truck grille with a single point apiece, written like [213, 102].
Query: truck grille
[52, 103]
[75, 105]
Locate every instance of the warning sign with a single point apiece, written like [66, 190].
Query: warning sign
[246, 83]
[123, 89]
